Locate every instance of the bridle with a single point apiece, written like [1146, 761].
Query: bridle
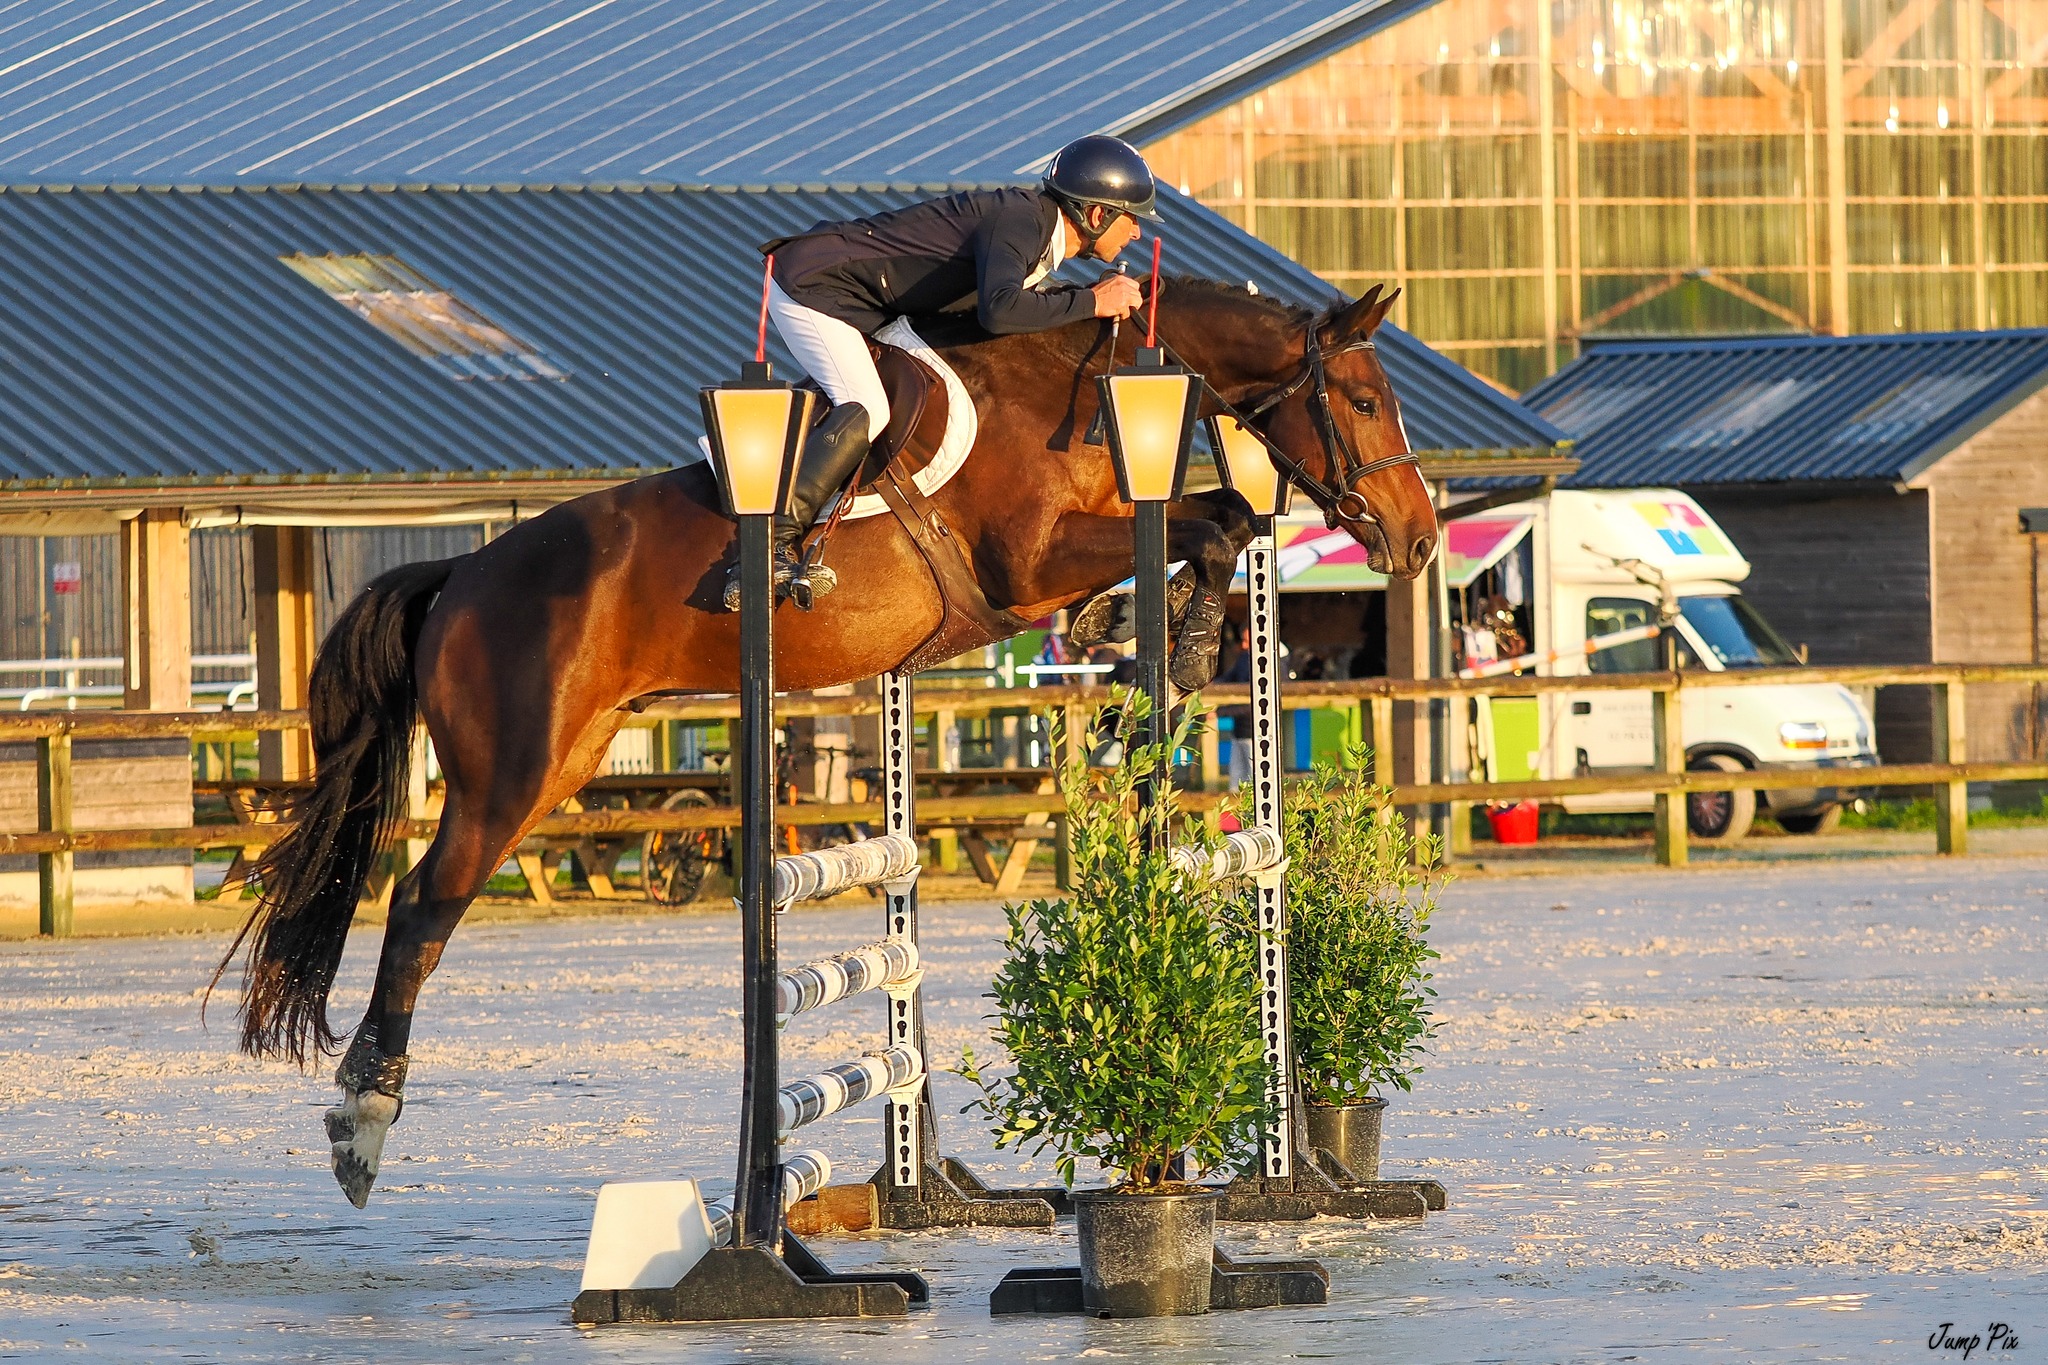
[1338, 498]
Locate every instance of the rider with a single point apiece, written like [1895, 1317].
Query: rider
[837, 284]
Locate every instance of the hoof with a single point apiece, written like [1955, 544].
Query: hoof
[357, 1128]
[1106, 618]
[1191, 671]
[1111, 618]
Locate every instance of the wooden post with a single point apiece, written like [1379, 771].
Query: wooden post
[282, 600]
[1458, 838]
[53, 816]
[1072, 746]
[156, 579]
[1406, 758]
[417, 806]
[1951, 745]
[1667, 730]
[1383, 741]
[156, 648]
[1210, 743]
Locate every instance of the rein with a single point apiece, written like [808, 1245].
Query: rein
[1338, 498]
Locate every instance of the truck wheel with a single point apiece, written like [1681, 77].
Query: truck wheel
[1823, 821]
[1719, 817]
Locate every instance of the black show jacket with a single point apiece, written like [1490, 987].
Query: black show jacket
[971, 249]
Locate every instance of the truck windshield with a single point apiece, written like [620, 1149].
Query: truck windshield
[1735, 633]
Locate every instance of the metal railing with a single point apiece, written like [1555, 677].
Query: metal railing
[233, 691]
[57, 837]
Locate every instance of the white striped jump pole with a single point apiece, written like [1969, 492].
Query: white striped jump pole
[1241, 853]
[828, 871]
[803, 1175]
[828, 1092]
[877, 966]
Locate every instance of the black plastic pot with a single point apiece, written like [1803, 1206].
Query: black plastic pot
[1146, 1255]
[1350, 1133]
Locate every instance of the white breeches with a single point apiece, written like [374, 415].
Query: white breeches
[833, 353]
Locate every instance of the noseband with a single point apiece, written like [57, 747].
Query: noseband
[1339, 498]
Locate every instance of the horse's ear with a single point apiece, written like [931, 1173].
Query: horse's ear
[1357, 321]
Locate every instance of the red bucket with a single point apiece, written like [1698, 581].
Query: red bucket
[1514, 824]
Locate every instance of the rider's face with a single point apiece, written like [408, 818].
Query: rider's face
[1120, 234]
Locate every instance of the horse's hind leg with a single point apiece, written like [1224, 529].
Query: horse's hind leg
[477, 831]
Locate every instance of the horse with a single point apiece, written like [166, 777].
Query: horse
[522, 656]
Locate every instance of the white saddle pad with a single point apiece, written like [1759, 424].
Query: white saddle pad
[962, 423]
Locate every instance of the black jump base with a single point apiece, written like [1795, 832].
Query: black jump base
[1322, 1187]
[949, 1195]
[733, 1284]
[1232, 1284]
[1311, 1193]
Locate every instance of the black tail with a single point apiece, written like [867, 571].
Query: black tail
[363, 704]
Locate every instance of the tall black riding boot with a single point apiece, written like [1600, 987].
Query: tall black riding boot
[832, 453]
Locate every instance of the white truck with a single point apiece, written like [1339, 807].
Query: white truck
[1600, 564]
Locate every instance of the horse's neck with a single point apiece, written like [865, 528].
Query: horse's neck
[1237, 347]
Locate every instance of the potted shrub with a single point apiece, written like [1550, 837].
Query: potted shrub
[1129, 1009]
[1360, 892]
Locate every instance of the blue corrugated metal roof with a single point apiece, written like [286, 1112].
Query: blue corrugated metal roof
[1785, 409]
[703, 91]
[153, 335]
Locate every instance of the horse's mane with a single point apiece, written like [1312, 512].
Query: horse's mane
[1290, 315]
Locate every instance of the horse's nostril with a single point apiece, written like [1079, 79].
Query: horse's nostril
[1423, 546]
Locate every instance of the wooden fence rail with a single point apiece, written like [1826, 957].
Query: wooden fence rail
[56, 840]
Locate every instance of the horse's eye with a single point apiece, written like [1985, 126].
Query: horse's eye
[1366, 407]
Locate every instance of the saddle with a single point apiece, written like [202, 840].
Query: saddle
[917, 427]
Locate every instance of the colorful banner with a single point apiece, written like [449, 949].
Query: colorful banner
[1314, 558]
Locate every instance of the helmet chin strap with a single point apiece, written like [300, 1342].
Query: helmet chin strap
[1080, 225]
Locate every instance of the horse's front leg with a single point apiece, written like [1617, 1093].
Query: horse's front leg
[1089, 552]
[1112, 617]
[1210, 531]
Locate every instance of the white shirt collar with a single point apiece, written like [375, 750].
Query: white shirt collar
[1055, 252]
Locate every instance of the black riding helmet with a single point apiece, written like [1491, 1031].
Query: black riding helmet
[1102, 170]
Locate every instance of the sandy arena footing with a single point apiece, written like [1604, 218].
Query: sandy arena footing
[1795, 1112]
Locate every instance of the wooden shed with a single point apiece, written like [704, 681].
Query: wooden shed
[1876, 484]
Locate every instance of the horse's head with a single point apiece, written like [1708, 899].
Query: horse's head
[1338, 421]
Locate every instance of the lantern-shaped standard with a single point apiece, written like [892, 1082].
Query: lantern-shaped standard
[1245, 464]
[1150, 413]
[757, 428]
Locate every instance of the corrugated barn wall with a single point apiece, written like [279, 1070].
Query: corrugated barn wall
[40, 623]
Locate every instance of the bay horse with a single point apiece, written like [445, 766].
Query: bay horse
[520, 656]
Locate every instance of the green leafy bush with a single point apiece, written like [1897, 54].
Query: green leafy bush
[1129, 1006]
[1360, 892]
